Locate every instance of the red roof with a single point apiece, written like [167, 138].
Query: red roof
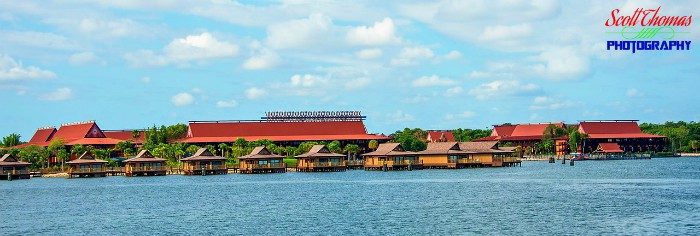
[440, 136]
[518, 132]
[125, 135]
[613, 129]
[43, 135]
[205, 132]
[609, 148]
[78, 131]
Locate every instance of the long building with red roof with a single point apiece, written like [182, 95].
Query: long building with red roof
[525, 135]
[285, 128]
[83, 133]
[604, 135]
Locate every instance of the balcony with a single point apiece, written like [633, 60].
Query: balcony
[14, 172]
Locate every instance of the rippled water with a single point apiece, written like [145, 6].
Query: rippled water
[658, 196]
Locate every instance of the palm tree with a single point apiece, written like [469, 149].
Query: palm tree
[373, 144]
[223, 148]
[11, 140]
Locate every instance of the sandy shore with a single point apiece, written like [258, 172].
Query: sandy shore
[57, 175]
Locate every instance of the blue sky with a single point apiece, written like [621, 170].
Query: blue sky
[435, 65]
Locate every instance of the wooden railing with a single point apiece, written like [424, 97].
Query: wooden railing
[147, 168]
[86, 170]
[205, 167]
[511, 159]
[326, 164]
[396, 163]
[355, 163]
[466, 161]
[14, 172]
[264, 166]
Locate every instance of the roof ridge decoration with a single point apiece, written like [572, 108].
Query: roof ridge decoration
[78, 123]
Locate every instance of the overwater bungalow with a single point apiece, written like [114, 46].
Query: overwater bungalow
[11, 168]
[203, 162]
[319, 158]
[87, 166]
[144, 164]
[261, 160]
[445, 155]
[391, 156]
[487, 153]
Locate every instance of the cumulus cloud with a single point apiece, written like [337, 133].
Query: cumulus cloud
[462, 115]
[562, 63]
[227, 104]
[264, 60]
[59, 94]
[306, 80]
[255, 93]
[400, 116]
[82, 58]
[13, 70]
[454, 91]
[549, 103]
[183, 50]
[299, 33]
[453, 55]
[633, 92]
[182, 99]
[412, 55]
[433, 80]
[369, 53]
[500, 88]
[505, 32]
[357, 83]
[381, 32]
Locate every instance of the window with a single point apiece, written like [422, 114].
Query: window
[275, 161]
[262, 162]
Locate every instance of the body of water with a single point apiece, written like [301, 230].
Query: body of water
[633, 197]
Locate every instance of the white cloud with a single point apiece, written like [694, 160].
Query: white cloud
[306, 80]
[633, 92]
[463, 115]
[183, 50]
[255, 93]
[453, 55]
[146, 79]
[562, 63]
[370, 53]
[13, 70]
[411, 56]
[454, 91]
[505, 32]
[381, 32]
[400, 116]
[182, 99]
[227, 104]
[264, 60]
[299, 33]
[417, 99]
[59, 94]
[82, 58]
[357, 83]
[548, 103]
[429, 81]
[500, 88]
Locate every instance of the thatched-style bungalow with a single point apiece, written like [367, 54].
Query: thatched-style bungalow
[203, 162]
[87, 166]
[319, 158]
[445, 155]
[11, 168]
[144, 164]
[261, 160]
[487, 153]
[391, 156]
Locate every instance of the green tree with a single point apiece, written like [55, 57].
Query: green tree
[467, 135]
[373, 144]
[56, 146]
[211, 149]
[223, 149]
[574, 140]
[11, 140]
[123, 146]
[694, 145]
[411, 139]
[77, 150]
[334, 147]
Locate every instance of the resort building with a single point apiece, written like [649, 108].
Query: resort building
[203, 162]
[445, 155]
[261, 160]
[11, 168]
[391, 156]
[487, 153]
[144, 164]
[87, 166]
[286, 129]
[619, 135]
[319, 158]
[440, 136]
[524, 135]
